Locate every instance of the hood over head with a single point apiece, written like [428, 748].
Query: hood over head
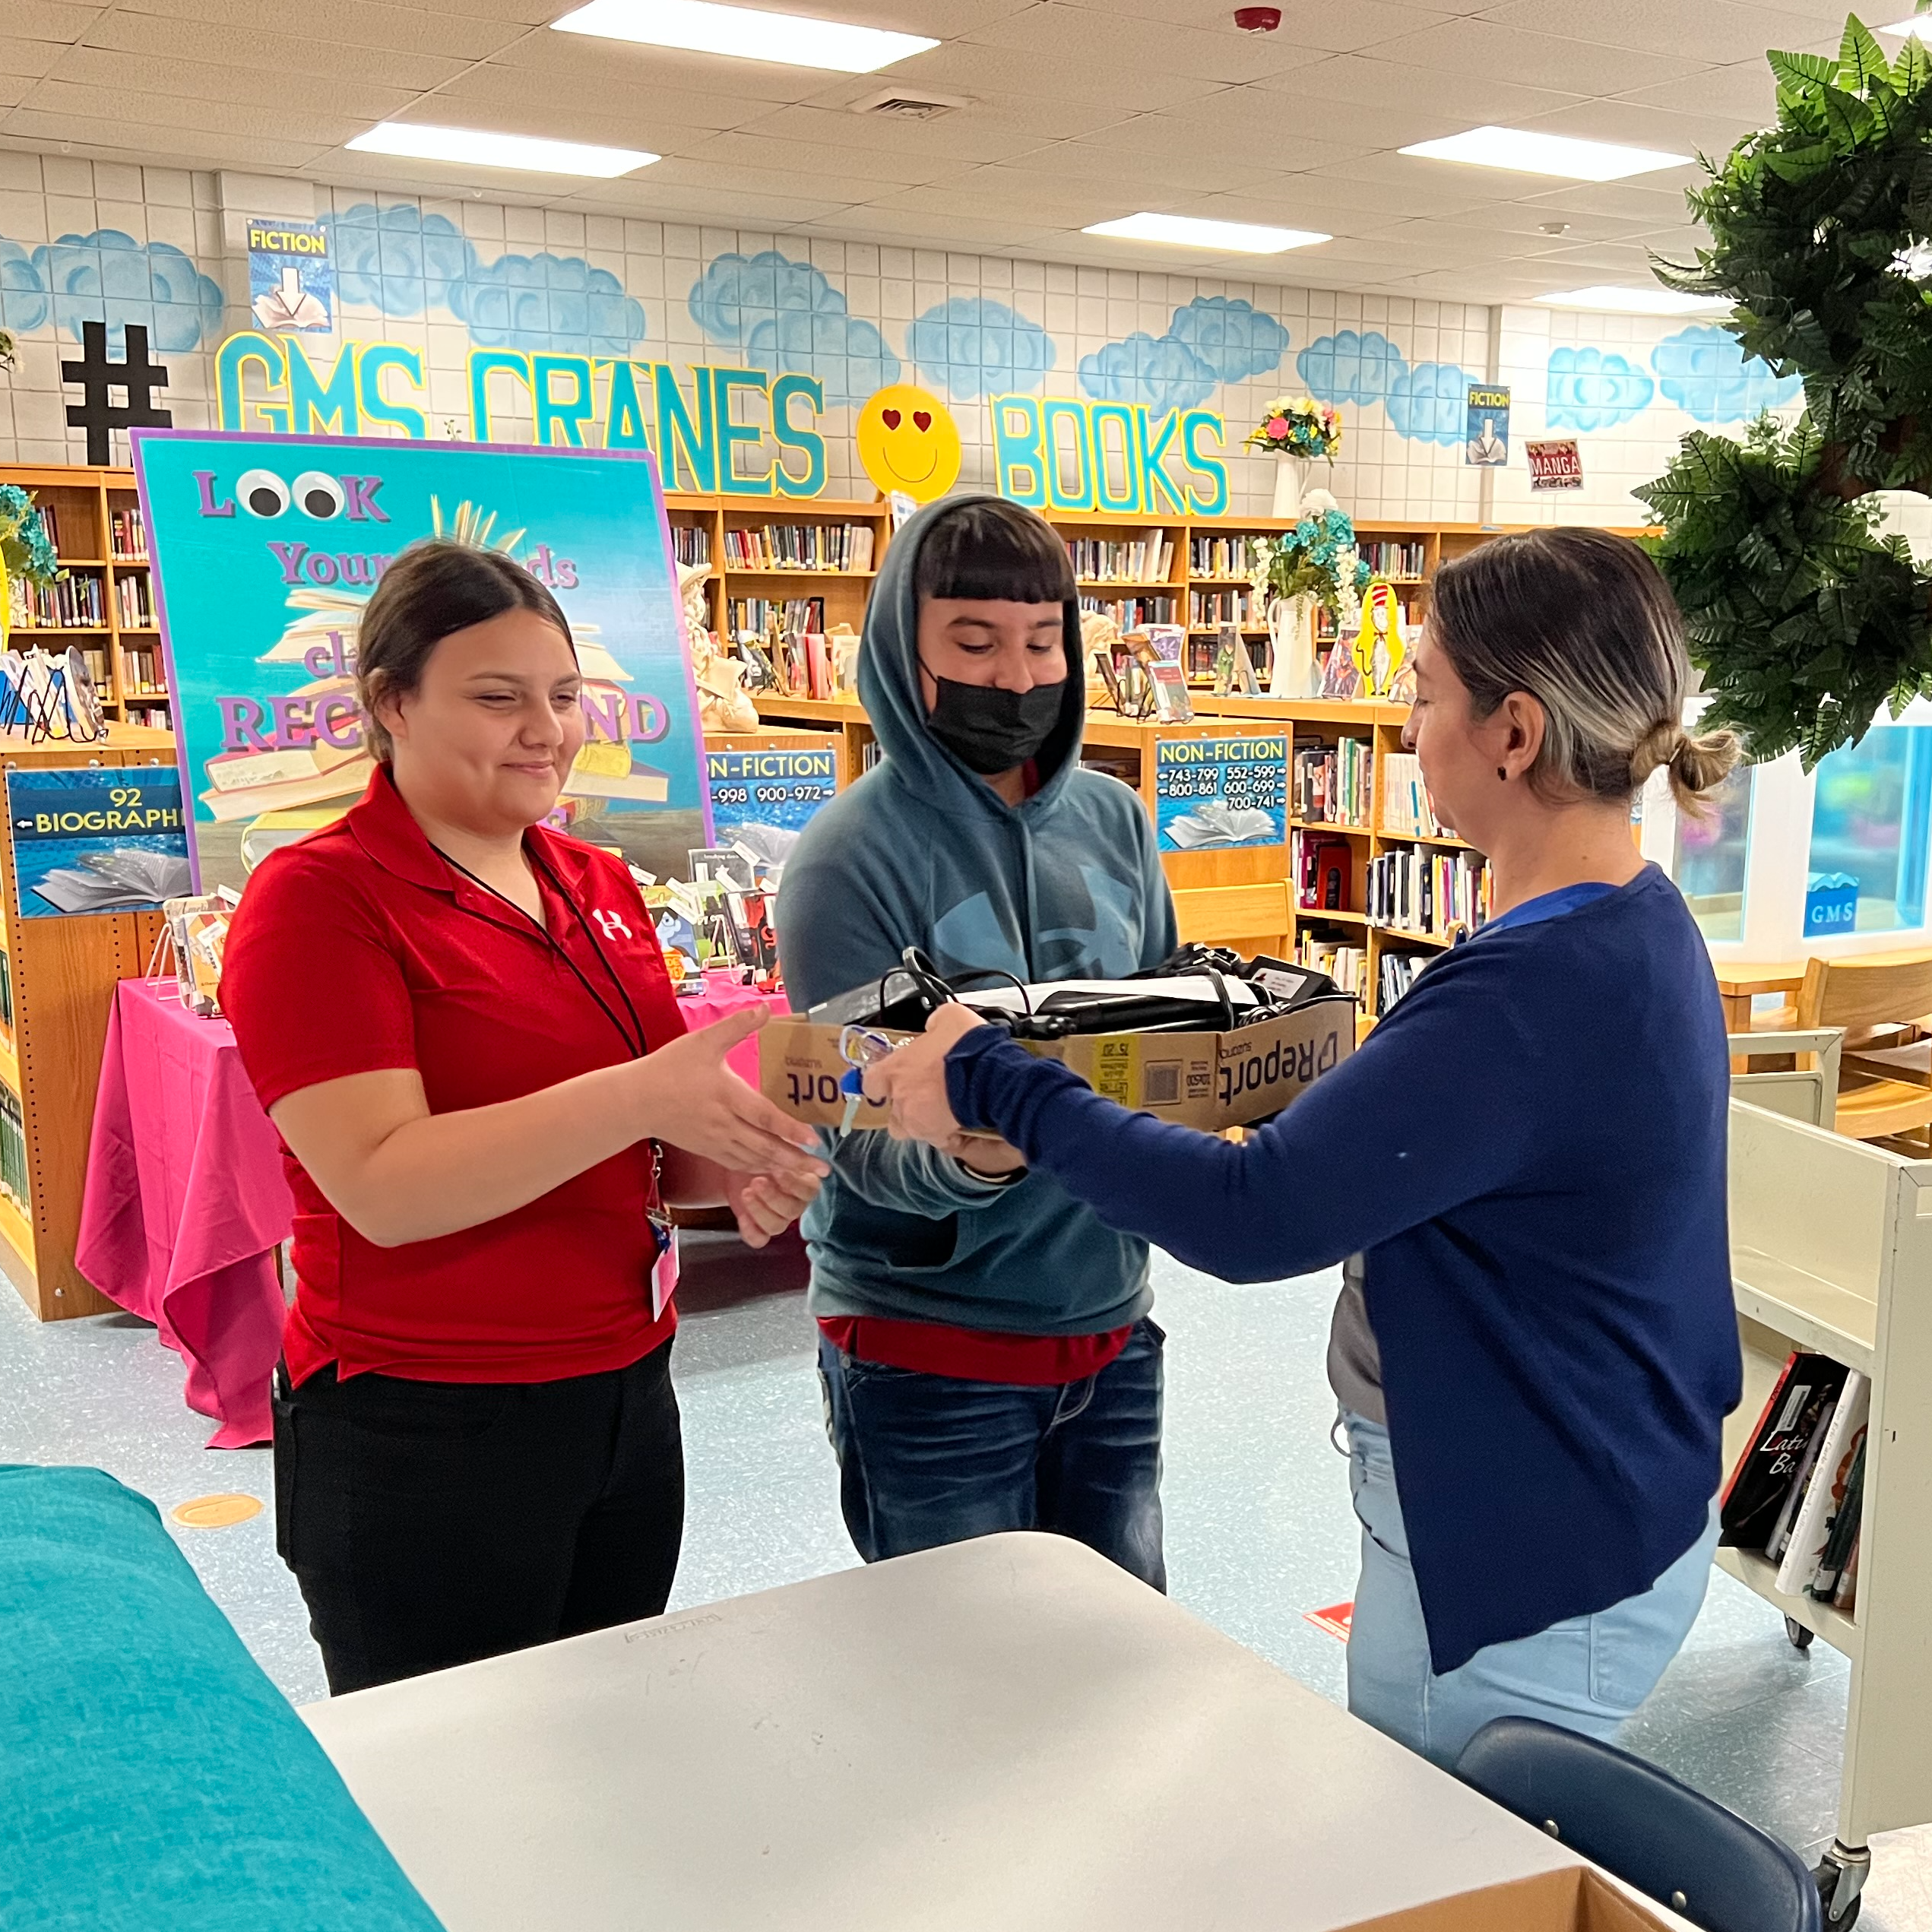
[889, 688]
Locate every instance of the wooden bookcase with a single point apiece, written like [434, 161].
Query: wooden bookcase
[62, 973]
[125, 657]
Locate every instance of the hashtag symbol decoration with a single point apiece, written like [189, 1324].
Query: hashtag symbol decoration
[97, 377]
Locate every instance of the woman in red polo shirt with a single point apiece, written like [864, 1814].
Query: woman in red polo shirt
[461, 1026]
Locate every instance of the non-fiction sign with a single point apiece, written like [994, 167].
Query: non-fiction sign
[90, 839]
[266, 551]
[763, 799]
[291, 284]
[1211, 794]
[1487, 435]
[1555, 465]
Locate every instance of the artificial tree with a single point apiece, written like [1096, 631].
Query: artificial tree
[1804, 620]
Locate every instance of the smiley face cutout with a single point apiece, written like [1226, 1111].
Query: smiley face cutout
[908, 440]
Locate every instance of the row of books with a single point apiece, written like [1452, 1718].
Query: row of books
[691, 544]
[1388, 559]
[13, 1149]
[1408, 811]
[795, 664]
[95, 657]
[127, 533]
[841, 546]
[1323, 870]
[1333, 783]
[50, 522]
[141, 671]
[68, 603]
[1133, 613]
[132, 605]
[1220, 556]
[1433, 892]
[1400, 972]
[1149, 560]
[1346, 963]
[1209, 609]
[753, 617]
[160, 717]
[1797, 1492]
[6, 998]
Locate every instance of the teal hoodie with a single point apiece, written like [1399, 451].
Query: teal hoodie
[921, 852]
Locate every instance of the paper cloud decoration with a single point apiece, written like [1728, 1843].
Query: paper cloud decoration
[1234, 338]
[736, 293]
[108, 276]
[1592, 388]
[1350, 368]
[405, 263]
[1704, 371]
[1431, 403]
[1160, 371]
[973, 346]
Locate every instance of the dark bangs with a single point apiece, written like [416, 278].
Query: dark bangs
[988, 548]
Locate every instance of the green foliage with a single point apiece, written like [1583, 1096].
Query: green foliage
[1803, 620]
[24, 550]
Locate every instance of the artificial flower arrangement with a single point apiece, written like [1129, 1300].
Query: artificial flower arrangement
[25, 550]
[1317, 559]
[1298, 425]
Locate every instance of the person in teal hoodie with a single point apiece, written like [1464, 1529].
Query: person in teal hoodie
[988, 1359]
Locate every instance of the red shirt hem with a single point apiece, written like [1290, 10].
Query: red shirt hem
[1025, 1361]
[306, 1353]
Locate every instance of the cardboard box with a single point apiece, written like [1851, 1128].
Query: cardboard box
[1205, 1080]
[1579, 1899]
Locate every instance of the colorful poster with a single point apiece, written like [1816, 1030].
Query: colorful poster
[1213, 793]
[88, 838]
[1487, 436]
[291, 281]
[1557, 465]
[763, 799]
[266, 548]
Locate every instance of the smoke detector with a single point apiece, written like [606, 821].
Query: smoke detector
[1257, 20]
[902, 104]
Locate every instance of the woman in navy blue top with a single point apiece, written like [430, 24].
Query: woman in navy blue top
[1524, 1165]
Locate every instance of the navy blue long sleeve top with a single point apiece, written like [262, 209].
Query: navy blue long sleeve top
[1530, 1151]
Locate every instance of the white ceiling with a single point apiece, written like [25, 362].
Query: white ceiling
[1080, 111]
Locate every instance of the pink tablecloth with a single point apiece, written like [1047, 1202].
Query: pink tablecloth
[185, 1204]
[719, 999]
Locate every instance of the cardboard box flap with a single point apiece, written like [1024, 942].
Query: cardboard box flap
[1577, 1899]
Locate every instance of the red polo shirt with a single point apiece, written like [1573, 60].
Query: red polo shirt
[358, 950]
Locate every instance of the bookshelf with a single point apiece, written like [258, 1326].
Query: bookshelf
[57, 979]
[1832, 1251]
[108, 592]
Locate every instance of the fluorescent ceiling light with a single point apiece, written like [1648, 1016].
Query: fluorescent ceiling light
[1634, 301]
[700, 27]
[1528, 152]
[478, 147]
[1242, 237]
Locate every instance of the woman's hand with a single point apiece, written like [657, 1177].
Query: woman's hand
[913, 1081]
[694, 1101]
[766, 1205]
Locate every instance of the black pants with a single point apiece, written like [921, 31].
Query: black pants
[431, 1523]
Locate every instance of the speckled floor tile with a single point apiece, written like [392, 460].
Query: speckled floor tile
[1259, 1529]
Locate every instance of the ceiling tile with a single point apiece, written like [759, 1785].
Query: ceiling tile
[478, 98]
[365, 24]
[365, 99]
[1394, 88]
[1482, 52]
[275, 120]
[1319, 24]
[1715, 31]
[53, 21]
[1077, 33]
[285, 56]
[981, 132]
[122, 139]
[961, 67]
[1745, 89]
[808, 159]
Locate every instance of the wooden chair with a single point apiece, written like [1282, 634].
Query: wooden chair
[1249, 918]
[1886, 1084]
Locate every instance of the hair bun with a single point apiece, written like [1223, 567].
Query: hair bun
[1700, 765]
[1662, 744]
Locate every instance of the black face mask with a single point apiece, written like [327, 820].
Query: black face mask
[991, 730]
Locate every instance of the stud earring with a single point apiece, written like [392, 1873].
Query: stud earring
[1503, 772]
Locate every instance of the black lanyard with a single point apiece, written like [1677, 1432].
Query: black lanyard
[637, 1046]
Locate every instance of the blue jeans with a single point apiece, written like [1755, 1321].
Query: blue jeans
[1587, 1673]
[928, 1459]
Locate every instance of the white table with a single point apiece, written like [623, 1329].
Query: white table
[1007, 1734]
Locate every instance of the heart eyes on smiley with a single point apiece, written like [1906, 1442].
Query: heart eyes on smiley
[890, 417]
[922, 419]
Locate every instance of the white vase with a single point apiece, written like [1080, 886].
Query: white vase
[1291, 633]
[1291, 475]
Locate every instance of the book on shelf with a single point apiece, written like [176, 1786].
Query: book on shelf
[1322, 870]
[1220, 556]
[1133, 613]
[1822, 1490]
[68, 603]
[132, 610]
[1208, 610]
[1332, 783]
[1753, 1504]
[127, 534]
[691, 545]
[754, 617]
[1400, 972]
[1345, 963]
[6, 998]
[1408, 811]
[1434, 893]
[1392, 557]
[13, 1149]
[50, 524]
[1148, 559]
[843, 547]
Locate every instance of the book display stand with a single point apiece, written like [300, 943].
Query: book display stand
[1832, 1254]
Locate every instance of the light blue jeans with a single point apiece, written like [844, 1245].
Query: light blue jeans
[1587, 1673]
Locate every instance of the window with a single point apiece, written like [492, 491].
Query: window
[1868, 827]
[1710, 855]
